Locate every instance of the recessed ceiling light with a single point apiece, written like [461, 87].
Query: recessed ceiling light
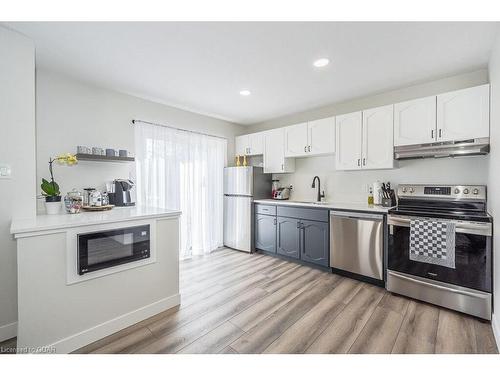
[321, 62]
[245, 92]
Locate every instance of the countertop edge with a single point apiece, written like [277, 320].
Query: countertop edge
[341, 206]
[14, 230]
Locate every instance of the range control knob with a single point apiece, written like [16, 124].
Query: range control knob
[475, 191]
[412, 190]
[457, 191]
[466, 191]
[403, 189]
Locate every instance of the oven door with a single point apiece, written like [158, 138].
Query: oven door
[99, 250]
[473, 252]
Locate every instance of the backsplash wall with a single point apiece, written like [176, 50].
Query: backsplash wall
[350, 186]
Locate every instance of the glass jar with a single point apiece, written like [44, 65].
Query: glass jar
[73, 201]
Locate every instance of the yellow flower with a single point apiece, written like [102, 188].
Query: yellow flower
[68, 159]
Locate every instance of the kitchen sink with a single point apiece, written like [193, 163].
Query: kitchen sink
[309, 202]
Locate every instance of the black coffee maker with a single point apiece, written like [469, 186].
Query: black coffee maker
[121, 195]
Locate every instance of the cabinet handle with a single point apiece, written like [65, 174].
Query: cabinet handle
[432, 133]
[305, 148]
[309, 148]
[359, 162]
[364, 161]
[274, 221]
[439, 133]
[282, 167]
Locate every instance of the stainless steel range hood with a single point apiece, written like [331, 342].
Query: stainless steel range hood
[478, 146]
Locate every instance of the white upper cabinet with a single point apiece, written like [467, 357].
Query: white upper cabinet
[321, 136]
[378, 145]
[310, 138]
[364, 140]
[463, 114]
[415, 122]
[348, 141]
[296, 142]
[274, 153]
[250, 144]
[256, 143]
[241, 145]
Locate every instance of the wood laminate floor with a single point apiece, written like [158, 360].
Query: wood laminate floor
[234, 302]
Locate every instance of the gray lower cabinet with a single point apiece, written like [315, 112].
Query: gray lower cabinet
[288, 237]
[265, 233]
[300, 233]
[314, 242]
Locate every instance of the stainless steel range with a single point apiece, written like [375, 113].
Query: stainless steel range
[431, 226]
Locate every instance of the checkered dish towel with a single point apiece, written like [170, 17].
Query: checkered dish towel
[433, 242]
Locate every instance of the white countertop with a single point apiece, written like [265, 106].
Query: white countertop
[328, 205]
[64, 220]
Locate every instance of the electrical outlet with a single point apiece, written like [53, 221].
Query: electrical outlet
[5, 171]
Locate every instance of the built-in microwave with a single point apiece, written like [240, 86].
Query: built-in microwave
[109, 248]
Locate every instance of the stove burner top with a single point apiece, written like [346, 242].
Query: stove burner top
[456, 202]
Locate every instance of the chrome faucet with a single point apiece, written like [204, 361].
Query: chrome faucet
[320, 194]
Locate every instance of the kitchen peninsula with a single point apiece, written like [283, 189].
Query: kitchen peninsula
[71, 292]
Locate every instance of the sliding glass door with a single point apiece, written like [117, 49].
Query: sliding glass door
[183, 170]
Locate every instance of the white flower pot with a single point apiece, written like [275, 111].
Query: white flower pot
[53, 208]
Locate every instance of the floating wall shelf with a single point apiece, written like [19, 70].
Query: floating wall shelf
[112, 159]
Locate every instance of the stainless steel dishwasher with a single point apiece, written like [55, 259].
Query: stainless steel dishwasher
[357, 243]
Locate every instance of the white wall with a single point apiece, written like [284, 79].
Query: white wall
[17, 134]
[71, 113]
[341, 186]
[494, 178]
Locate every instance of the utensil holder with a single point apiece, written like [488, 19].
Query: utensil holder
[387, 202]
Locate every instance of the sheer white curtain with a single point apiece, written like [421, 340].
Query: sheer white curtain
[182, 170]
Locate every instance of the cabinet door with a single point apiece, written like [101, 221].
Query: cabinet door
[321, 136]
[241, 145]
[288, 237]
[378, 145]
[415, 122]
[314, 242]
[274, 153]
[464, 114]
[296, 140]
[265, 233]
[256, 143]
[348, 137]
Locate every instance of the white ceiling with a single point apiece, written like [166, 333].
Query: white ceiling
[203, 66]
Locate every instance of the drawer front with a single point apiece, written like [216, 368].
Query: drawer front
[265, 209]
[304, 213]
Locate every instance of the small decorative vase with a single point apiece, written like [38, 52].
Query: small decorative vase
[238, 161]
[245, 163]
[53, 205]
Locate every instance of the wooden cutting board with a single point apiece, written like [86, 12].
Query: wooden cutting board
[98, 208]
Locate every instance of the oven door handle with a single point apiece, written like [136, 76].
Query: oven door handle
[436, 286]
[478, 228]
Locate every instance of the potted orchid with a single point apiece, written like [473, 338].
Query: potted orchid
[50, 189]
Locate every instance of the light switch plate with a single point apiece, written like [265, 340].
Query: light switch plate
[5, 171]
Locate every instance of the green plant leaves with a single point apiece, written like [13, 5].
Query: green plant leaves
[50, 189]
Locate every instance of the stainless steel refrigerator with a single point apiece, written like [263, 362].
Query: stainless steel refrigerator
[241, 186]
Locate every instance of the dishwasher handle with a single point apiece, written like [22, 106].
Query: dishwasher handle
[357, 215]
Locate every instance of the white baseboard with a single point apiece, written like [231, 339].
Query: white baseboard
[495, 325]
[8, 331]
[102, 330]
